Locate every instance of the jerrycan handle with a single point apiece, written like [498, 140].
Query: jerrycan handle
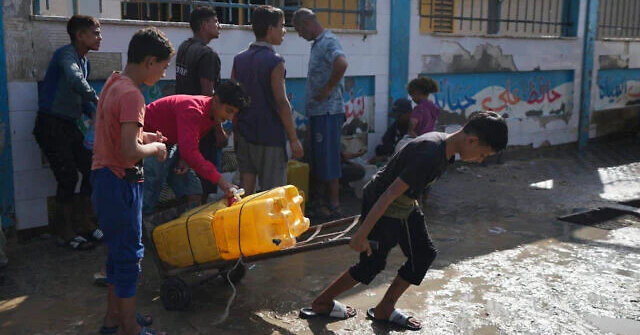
[237, 196]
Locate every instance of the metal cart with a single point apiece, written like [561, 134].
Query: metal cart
[177, 282]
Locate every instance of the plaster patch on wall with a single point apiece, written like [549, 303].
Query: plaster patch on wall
[611, 62]
[103, 64]
[485, 58]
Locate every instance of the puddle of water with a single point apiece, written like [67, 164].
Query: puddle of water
[616, 326]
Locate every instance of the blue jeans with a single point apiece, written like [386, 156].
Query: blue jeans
[156, 173]
[118, 206]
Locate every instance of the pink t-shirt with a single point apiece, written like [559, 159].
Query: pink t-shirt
[120, 102]
[425, 115]
[184, 120]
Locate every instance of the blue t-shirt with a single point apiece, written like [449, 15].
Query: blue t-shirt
[324, 52]
[259, 123]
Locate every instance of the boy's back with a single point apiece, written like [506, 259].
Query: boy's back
[120, 101]
[419, 164]
[259, 123]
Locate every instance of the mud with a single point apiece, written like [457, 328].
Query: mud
[505, 264]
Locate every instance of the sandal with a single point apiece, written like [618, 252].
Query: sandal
[142, 320]
[77, 243]
[100, 279]
[96, 235]
[339, 311]
[397, 319]
[148, 331]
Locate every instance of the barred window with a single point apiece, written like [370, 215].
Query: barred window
[618, 19]
[337, 14]
[550, 18]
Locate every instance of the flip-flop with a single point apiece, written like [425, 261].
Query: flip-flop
[96, 236]
[397, 319]
[147, 331]
[339, 311]
[76, 243]
[142, 320]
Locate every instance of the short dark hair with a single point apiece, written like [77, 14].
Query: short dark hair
[146, 42]
[424, 85]
[263, 17]
[80, 22]
[232, 93]
[490, 128]
[199, 15]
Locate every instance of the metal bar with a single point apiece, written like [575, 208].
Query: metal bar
[526, 14]
[535, 3]
[628, 18]
[549, 17]
[344, 5]
[7, 209]
[508, 13]
[461, 11]
[610, 18]
[471, 22]
[558, 15]
[504, 20]
[591, 24]
[517, 13]
[48, 6]
[481, 12]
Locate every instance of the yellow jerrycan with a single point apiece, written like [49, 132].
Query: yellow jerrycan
[189, 239]
[298, 176]
[260, 223]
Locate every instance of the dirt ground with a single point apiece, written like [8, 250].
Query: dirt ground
[506, 265]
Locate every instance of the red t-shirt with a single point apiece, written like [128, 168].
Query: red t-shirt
[184, 120]
[120, 102]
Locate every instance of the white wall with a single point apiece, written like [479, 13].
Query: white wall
[528, 54]
[33, 182]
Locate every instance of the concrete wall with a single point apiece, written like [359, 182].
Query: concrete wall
[31, 41]
[526, 78]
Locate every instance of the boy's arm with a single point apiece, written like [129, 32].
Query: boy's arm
[284, 109]
[132, 150]
[148, 137]
[359, 240]
[74, 75]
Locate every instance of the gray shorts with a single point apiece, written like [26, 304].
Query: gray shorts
[267, 162]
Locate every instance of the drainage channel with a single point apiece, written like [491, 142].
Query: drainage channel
[610, 217]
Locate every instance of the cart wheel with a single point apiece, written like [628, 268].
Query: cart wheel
[175, 294]
[235, 275]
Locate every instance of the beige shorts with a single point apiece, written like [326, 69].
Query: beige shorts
[267, 162]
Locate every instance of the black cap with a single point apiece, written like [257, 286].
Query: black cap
[401, 106]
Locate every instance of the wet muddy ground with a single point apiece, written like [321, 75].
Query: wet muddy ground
[506, 265]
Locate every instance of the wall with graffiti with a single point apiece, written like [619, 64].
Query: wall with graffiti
[617, 88]
[518, 95]
[358, 107]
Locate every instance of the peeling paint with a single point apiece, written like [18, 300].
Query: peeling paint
[612, 62]
[485, 58]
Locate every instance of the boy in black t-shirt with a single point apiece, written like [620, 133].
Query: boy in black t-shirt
[391, 216]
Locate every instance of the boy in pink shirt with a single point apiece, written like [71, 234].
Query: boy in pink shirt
[185, 120]
[117, 175]
[425, 114]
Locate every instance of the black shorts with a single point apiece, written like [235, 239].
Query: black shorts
[414, 241]
[61, 142]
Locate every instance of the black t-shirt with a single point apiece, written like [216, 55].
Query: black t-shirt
[196, 60]
[419, 164]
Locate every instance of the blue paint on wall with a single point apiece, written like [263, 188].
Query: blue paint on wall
[7, 208]
[399, 48]
[618, 88]
[591, 26]
[515, 93]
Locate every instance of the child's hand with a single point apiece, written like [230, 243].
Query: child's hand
[161, 151]
[360, 243]
[160, 138]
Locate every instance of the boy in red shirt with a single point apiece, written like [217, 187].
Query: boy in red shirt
[184, 120]
[117, 175]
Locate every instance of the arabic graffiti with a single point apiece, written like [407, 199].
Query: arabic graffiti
[512, 92]
[618, 88]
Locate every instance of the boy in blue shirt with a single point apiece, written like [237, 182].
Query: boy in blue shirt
[65, 96]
